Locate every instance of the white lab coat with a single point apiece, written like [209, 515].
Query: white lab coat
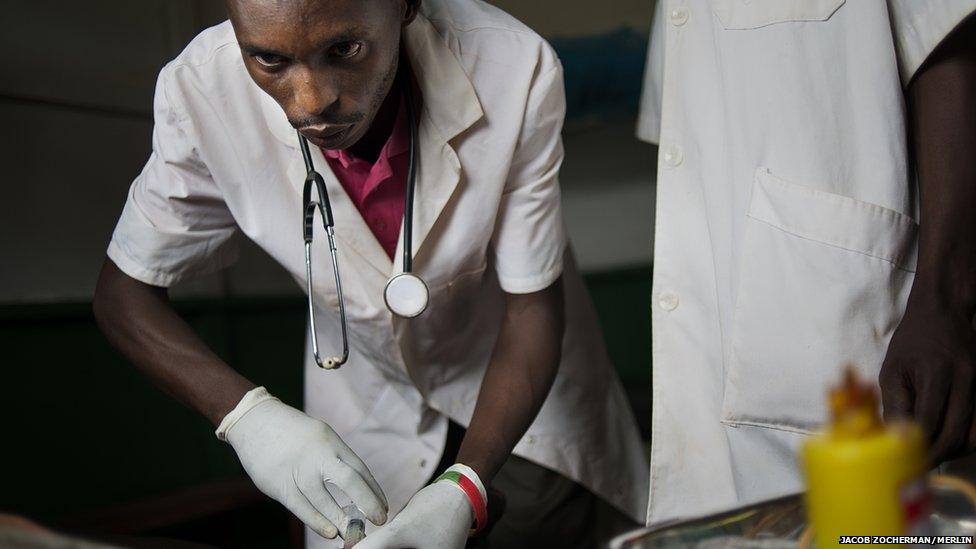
[785, 231]
[486, 221]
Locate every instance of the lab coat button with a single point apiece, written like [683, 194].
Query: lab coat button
[423, 463]
[679, 15]
[673, 156]
[668, 301]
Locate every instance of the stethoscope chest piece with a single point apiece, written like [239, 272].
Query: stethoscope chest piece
[406, 295]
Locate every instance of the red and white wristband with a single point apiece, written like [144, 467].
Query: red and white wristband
[468, 482]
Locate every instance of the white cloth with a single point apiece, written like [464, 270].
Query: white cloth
[487, 220]
[785, 232]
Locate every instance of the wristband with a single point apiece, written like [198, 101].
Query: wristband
[469, 472]
[469, 483]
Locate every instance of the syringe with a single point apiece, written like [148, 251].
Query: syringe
[355, 529]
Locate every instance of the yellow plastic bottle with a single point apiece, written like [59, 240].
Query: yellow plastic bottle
[864, 477]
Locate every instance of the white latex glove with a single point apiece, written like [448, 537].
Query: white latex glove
[437, 517]
[291, 456]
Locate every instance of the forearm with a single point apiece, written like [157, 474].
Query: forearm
[138, 320]
[522, 369]
[942, 103]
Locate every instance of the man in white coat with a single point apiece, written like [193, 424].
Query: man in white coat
[507, 358]
[815, 197]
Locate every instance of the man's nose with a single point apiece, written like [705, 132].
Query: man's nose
[315, 93]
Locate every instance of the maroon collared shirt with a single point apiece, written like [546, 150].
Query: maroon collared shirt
[377, 189]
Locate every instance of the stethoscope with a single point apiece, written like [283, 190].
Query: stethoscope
[406, 294]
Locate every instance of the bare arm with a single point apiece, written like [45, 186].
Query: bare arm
[139, 321]
[930, 370]
[519, 376]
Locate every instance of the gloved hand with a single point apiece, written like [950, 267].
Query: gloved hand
[291, 456]
[439, 516]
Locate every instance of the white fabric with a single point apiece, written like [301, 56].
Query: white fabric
[437, 517]
[250, 399]
[487, 221]
[785, 229]
[291, 457]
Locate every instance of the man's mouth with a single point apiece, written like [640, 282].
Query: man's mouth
[324, 135]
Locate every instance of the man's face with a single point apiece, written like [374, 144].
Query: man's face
[328, 63]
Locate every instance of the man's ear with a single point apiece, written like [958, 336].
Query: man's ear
[413, 7]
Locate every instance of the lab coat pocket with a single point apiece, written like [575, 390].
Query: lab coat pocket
[454, 331]
[823, 281]
[752, 14]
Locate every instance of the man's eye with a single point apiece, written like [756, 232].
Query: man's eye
[269, 59]
[345, 50]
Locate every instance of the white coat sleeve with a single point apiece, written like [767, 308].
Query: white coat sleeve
[175, 224]
[919, 26]
[529, 240]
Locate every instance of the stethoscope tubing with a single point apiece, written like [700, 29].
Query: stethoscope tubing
[313, 178]
[411, 179]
